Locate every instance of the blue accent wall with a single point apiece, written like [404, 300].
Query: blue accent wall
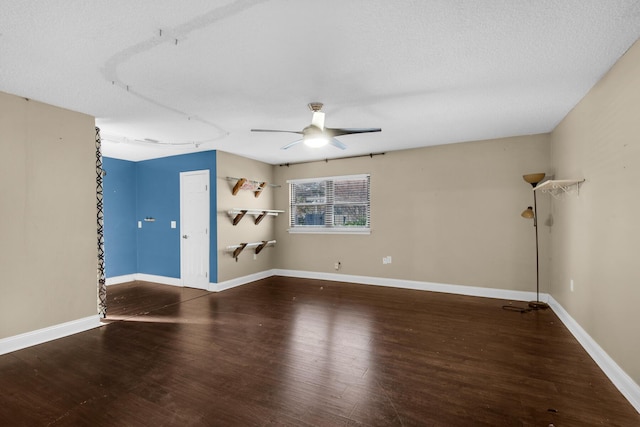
[119, 192]
[156, 189]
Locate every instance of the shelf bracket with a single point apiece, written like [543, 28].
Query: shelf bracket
[559, 187]
[261, 246]
[238, 185]
[259, 189]
[239, 250]
[239, 216]
[260, 217]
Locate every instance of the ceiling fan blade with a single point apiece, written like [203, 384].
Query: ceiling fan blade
[318, 119]
[274, 130]
[349, 131]
[291, 144]
[337, 144]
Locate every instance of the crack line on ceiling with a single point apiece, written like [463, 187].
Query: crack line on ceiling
[110, 68]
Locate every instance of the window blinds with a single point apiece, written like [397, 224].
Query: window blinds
[340, 202]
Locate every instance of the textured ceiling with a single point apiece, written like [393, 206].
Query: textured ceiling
[198, 75]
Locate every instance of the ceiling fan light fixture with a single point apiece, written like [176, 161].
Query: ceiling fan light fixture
[316, 141]
[316, 135]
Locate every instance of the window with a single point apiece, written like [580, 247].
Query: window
[339, 204]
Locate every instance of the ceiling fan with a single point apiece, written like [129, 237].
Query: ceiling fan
[316, 135]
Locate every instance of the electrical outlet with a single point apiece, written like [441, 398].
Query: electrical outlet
[337, 265]
[386, 260]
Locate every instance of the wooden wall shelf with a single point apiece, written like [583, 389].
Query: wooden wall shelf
[248, 184]
[236, 250]
[259, 214]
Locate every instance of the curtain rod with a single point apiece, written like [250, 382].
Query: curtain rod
[337, 158]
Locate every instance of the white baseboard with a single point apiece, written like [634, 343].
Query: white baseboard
[163, 280]
[412, 284]
[365, 280]
[116, 280]
[618, 377]
[39, 336]
[239, 281]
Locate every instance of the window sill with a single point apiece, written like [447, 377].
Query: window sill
[328, 230]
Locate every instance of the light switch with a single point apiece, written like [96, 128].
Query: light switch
[173, 224]
[139, 224]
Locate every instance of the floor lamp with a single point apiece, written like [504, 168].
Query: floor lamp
[532, 213]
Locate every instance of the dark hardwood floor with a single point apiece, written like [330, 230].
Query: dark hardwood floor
[298, 352]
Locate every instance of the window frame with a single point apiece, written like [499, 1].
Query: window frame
[330, 205]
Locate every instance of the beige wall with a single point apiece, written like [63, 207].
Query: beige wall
[48, 216]
[596, 236]
[230, 165]
[448, 214]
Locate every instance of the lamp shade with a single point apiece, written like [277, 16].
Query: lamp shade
[528, 213]
[533, 178]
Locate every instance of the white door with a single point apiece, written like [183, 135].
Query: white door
[194, 229]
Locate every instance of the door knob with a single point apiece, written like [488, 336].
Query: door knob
[185, 237]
